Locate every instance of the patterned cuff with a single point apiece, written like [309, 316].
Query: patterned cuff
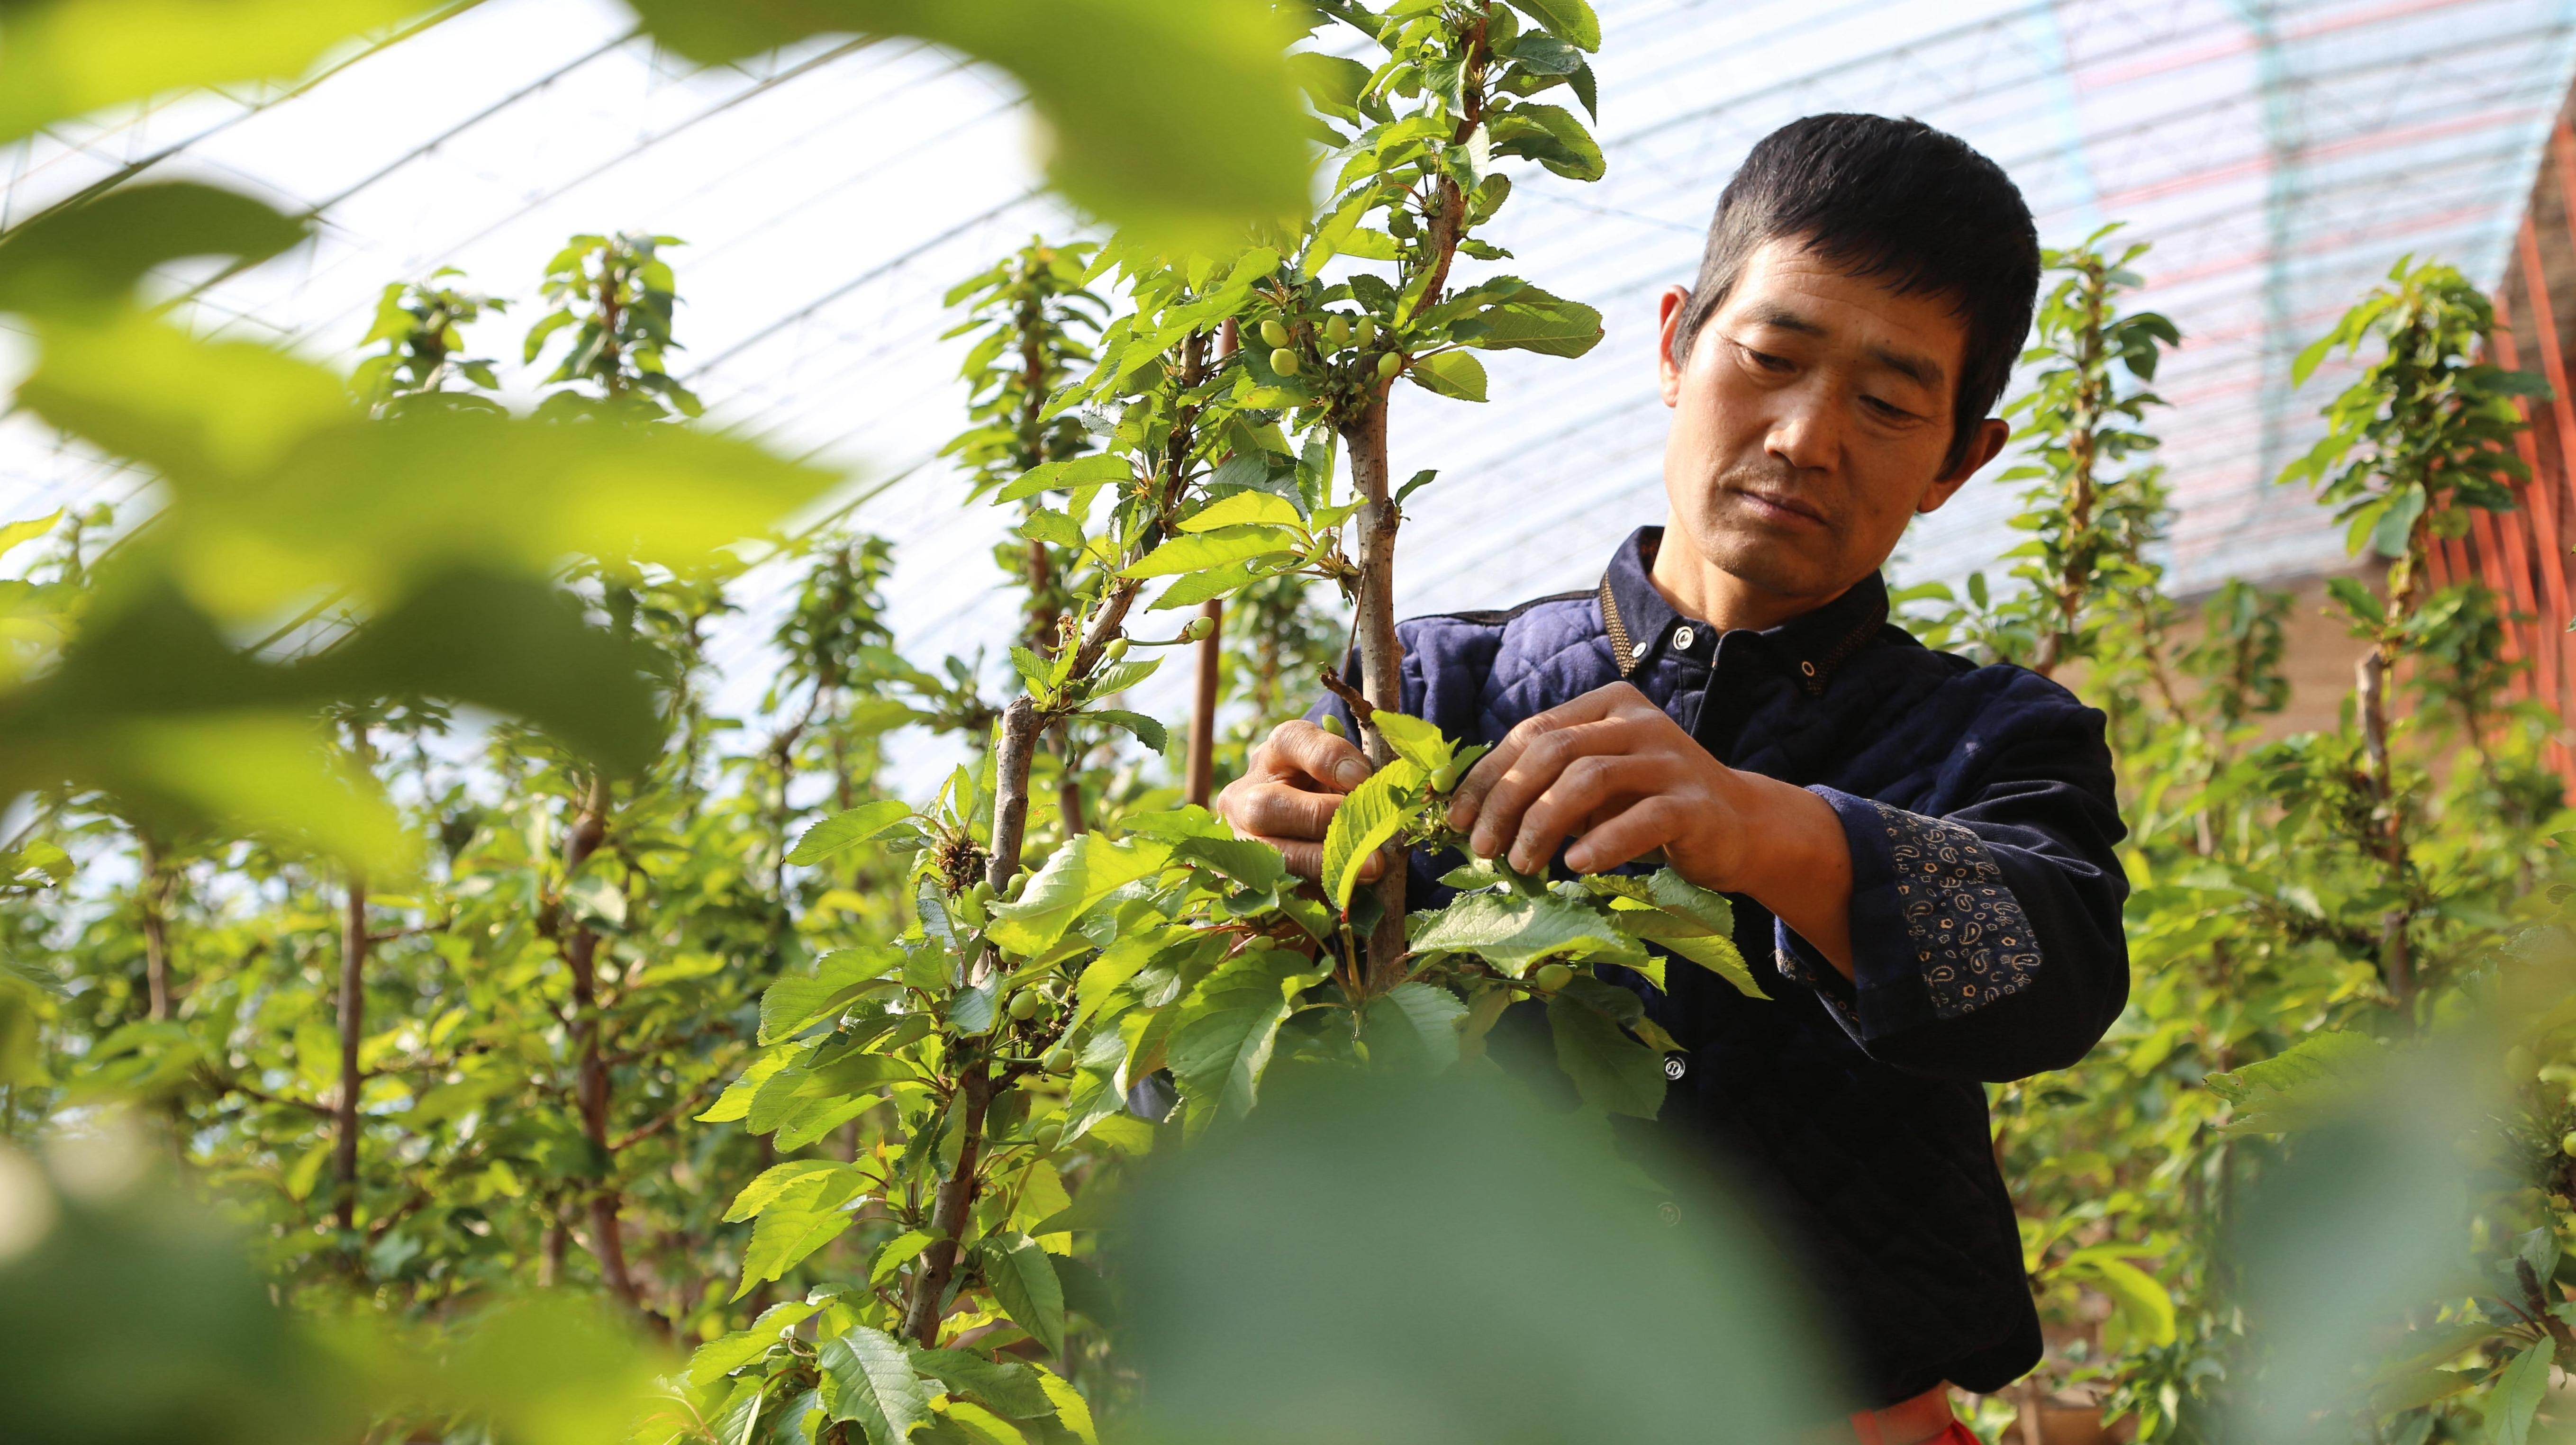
[1936, 931]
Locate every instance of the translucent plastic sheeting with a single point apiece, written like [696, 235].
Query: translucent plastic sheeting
[2280, 157]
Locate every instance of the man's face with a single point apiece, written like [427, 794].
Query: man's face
[1811, 419]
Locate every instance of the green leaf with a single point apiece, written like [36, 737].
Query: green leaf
[1113, 148]
[795, 1001]
[841, 832]
[1571, 21]
[1611, 1071]
[1198, 587]
[2307, 1084]
[1513, 931]
[1712, 951]
[1080, 874]
[91, 255]
[1365, 822]
[1194, 552]
[1072, 1411]
[1222, 1043]
[868, 1377]
[1148, 731]
[735, 1102]
[2141, 1306]
[1418, 1022]
[1449, 373]
[1533, 321]
[1024, 1281]
[1065, 476]
[1006, 1385]
[1255, 865]
[778, 1180]
[1414, 740]
[2395, 526]
[2518, 1393]
[725, 1354]
[808, 1214]
[1553, 137]
[1242, 509]
[72, 58]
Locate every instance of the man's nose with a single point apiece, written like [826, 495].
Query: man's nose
[1806, 432]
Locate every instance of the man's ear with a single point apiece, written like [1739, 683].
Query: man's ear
[1668, 327]
[1990, 437]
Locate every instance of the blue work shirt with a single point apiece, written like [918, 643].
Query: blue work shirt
[1985, 932]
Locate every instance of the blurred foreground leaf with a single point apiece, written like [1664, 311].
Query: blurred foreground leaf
[1433, 1260]
[92, 255]
[1107, 76]
[62, 58]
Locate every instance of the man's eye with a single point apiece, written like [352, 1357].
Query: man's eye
[1764, 359]
[1888, 409]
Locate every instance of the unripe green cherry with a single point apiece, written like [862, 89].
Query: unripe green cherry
[1284, 361]
[1388, 365]
[1552, 976]
[1444, 778]
[2567, 1143]
[1333, 725]
[1364, 333]
[1338, 332]
[1057, 1060]
[1198, 630]
[1274, 333]
[1025, 1005]
[1045, 1135]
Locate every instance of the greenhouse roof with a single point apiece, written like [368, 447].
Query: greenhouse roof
[2280, 156]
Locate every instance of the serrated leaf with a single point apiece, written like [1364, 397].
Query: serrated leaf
[776, 1182]
[2518, 1393]
[735, 1102]
[1366, 822]
[1066, 476]
[1257, 866]
[1553, 137]
[1449, 373]
[1534, 321]
[1414, 740]
[843, 831]
[1222, 1043]
[1024, 1281]
[868, 1378]
[1611, 1071]
[788, 1005]
[1148, 731]
[725, 1354]
[1198, 551]
[1244, 509]
[1071, 1410]
[1080, 874]
[1571, 21]
[1417, 1021]
[1513, 931]
[808, 1214]
[2307, 1084]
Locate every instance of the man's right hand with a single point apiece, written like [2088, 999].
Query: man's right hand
[1289, 793]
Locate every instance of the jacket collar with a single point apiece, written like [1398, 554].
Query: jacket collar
[1811, 646]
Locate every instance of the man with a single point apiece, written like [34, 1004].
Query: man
[1922, 847]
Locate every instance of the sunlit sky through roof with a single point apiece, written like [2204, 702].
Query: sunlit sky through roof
[2280, 156]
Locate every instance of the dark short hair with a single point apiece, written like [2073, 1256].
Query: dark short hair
[1892, 200]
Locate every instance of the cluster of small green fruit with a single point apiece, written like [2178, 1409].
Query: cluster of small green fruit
[1290, 341]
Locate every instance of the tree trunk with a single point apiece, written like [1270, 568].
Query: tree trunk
[1381, 657]
[590, 1069]
[153, 902]
[2396, 967]
[1202, 757]
[956, 1197]
[353, 1031]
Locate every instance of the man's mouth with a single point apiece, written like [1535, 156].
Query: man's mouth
[1783, 508]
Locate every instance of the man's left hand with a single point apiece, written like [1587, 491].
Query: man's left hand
[1621, 778]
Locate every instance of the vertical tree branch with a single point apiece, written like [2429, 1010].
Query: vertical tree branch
[1381, 654]
[948, 1211]
[1201, 774]
[152, 903]
[353, 1031]
[590, 1075]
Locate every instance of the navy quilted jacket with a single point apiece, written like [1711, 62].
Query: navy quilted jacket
[1985, 930]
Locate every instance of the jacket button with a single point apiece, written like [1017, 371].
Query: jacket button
[1682, 639]
[1675, 1066]
[1638, 652]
